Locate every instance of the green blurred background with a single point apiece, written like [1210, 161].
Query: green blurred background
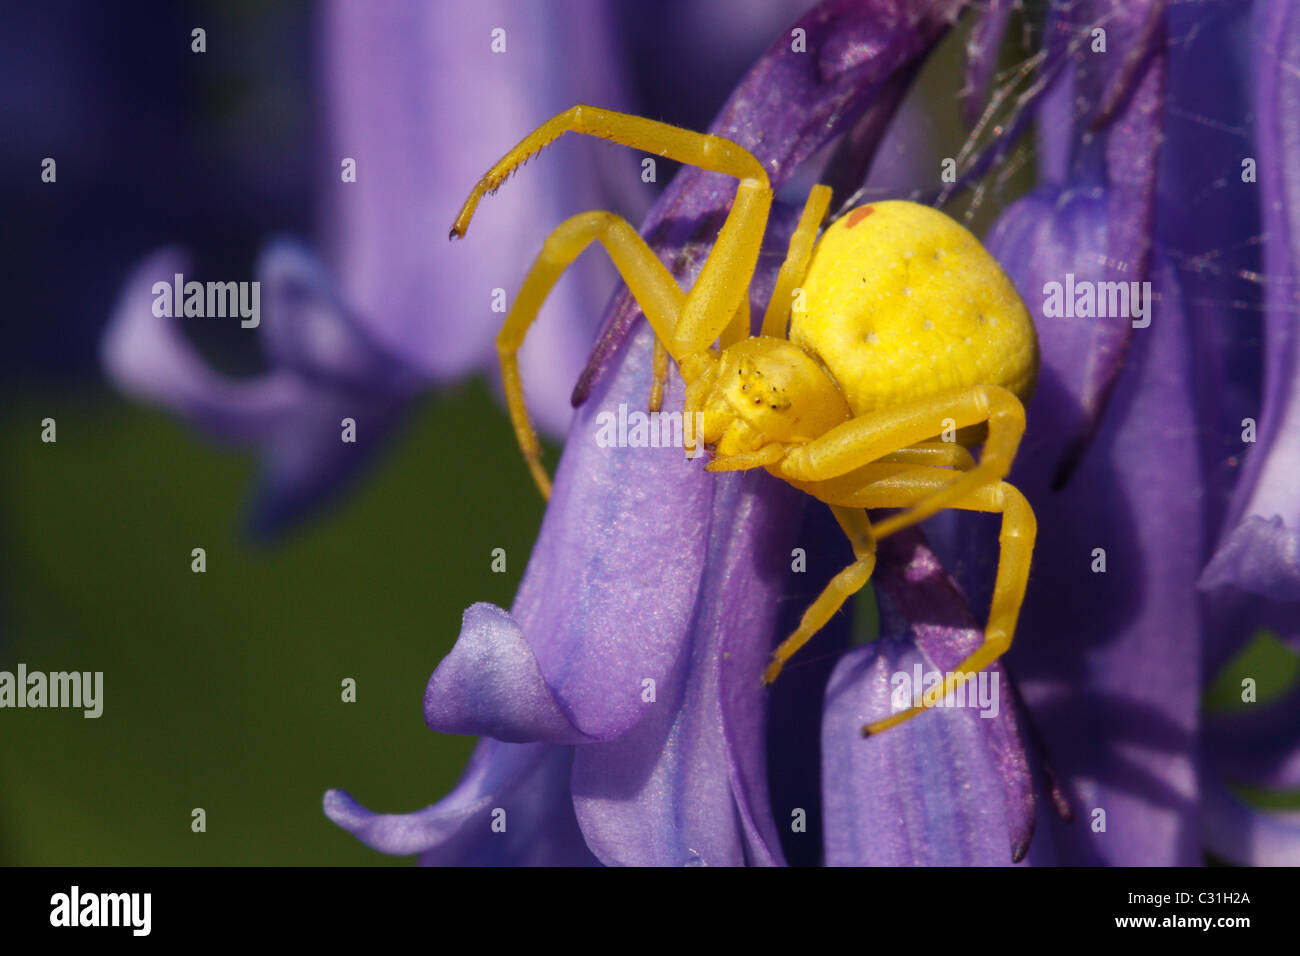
[223, 689]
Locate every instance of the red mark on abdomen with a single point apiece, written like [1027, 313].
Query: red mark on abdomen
[857, 216]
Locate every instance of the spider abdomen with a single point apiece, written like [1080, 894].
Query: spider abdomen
[901, 302]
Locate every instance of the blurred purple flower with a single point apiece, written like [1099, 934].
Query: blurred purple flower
[418, 99]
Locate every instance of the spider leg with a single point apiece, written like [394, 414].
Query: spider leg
[648, 279]
[841, 587]
[738, 327]
[795, 266]
[843, 494]
[936, 454]
[736, 330]
[870, 437]
[659, 377]
[724, 280]
[902, 488]
[769, 454]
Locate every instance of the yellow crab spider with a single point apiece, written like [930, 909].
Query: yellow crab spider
[906, 343]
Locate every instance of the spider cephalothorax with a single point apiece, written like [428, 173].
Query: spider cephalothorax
[761, 391]
[888, 345]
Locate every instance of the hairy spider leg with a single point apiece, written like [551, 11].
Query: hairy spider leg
[713, 301]
[894, 486]
[717, 293]
[841, 587]
[653, 286]
[769, 454]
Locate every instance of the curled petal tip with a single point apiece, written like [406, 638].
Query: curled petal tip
[1020, 847]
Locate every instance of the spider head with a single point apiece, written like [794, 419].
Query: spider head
[763, 390]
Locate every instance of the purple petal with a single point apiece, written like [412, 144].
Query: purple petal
[1041, 239]
[920, 794]
[913, 587]
[1266, 484]
[310, 331]
[1115, 652]
[490, 686]
[149, 358]
[951, 786]
[1209, 225]
[686, 786]
[607, 597]
[1132, 148]
[1127, 84]
[1260, 557]
[422, 103]
[521, 787]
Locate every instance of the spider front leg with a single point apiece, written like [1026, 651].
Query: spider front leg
[723, 283]
[648, 279]
[892, 486]
[873, 436]
[724, 279]
[841, 587]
